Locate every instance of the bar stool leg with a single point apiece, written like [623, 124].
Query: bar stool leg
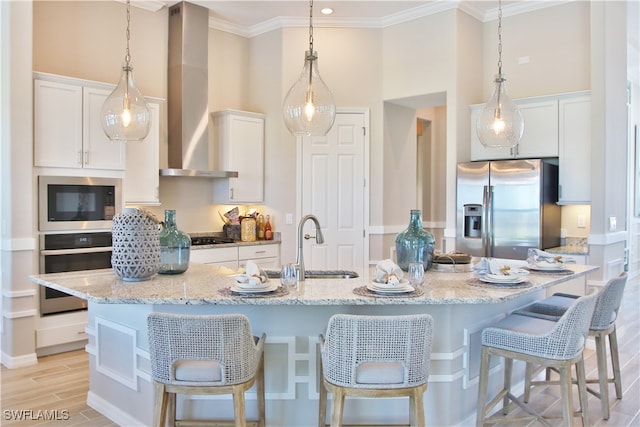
[483, 383]
[322, 411]
[238, 407]
[172, 407]
[582, 392]
[338, 406]
[527, 382]
[601, 356]
[160, 406]
[566, 395]
[416, 408]
[260, 392]
[615, 361]
[508, 368]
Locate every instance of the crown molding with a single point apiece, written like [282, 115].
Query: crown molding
[432, 8]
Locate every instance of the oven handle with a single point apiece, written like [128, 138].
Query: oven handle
[75, 251]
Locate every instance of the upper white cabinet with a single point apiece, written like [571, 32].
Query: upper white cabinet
[142, 179]
[575, 149]
[239, 146]
[540, 137]
[67, 128]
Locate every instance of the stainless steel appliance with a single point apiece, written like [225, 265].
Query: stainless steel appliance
[78, 203]
[70, 252]
[505, 207]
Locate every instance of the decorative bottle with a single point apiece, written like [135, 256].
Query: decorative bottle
[260, 227]
[268, 232]
[415, 244]
[175, 246]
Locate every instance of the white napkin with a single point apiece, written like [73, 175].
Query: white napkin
[253, 276]
[388, 272]
[506, 267]
[482, 267]
[538, 257]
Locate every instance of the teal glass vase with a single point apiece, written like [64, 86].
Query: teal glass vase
[175, 246]
[415, 244]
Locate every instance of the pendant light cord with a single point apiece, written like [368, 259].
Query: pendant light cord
[311, 26]
[127, 56]
[311, 53]
[499, 38]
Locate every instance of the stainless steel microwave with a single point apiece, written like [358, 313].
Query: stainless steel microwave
[78, 203]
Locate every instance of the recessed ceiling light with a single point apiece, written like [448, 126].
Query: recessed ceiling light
[326, 11]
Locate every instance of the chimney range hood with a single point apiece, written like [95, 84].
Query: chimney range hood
[187, 95]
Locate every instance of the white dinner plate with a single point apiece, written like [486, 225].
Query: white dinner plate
[402, 287]
[248, 285]
[502, 282]
[262, 290]
[548, 266]
[503, 277]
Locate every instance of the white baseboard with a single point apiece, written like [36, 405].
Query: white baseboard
[112, 412]
[20, 361]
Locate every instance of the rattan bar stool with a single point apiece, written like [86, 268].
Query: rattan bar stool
[603, 325]
[204, 355]
[543, 342]
[375, 356]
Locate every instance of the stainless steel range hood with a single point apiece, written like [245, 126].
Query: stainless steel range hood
[187, 97]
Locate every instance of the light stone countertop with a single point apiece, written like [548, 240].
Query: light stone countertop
[206, 284]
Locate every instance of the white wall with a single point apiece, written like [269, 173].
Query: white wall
[556, 42]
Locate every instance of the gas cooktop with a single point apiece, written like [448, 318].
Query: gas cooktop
[209, 240]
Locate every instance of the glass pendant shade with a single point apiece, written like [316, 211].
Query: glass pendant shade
[125, 115]
[500, 123]
[309, 108]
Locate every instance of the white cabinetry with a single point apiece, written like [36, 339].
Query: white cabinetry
[239, 146]
[575, 149]
[540, 137]
[266, 256]
[142, 178]
[61, 332]
[224, 256]
[67, 128]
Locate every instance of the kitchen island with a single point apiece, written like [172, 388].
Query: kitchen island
[461, 305]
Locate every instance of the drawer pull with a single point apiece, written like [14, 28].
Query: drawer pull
[260, 252]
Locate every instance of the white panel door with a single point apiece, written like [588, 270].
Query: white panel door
[333, 189]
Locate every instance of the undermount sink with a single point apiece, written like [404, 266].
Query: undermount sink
[320, 274]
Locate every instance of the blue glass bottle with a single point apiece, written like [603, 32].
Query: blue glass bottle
[175, 246]
[415, 244]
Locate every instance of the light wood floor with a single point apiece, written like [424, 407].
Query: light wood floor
[57, 386]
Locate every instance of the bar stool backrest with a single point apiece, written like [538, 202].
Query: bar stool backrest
[224, 339]
[568, 337]
[608, 303]
[351, 340]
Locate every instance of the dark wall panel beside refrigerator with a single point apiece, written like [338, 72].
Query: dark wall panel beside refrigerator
[506, 207]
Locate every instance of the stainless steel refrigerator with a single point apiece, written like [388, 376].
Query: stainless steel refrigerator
[505, 207]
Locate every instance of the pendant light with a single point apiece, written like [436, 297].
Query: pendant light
[125, 115]
[500, 124]
[308, 107]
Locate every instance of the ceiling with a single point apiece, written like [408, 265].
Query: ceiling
[253, 17]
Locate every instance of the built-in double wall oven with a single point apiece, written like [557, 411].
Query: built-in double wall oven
[75, 221]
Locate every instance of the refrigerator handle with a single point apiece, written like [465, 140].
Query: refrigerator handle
[487, 220]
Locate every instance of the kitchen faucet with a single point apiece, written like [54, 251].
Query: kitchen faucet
[319, 239]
